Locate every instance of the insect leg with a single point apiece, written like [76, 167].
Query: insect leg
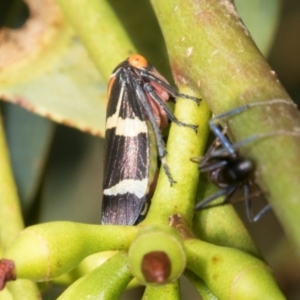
[150, 90]
[173, 92]
[162, 152]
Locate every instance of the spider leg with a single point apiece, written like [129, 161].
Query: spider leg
[212, 166]
[262, 212]
[203, 204]
[223, 139]
[248, 205]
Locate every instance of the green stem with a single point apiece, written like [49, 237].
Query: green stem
[221, 225]
[86, 266]
[101, 32]
[11, 221]
[24, 289]
[45, 251]
[105, 282]
[211, 50]
[183, 143]
[6, 295]
[169, 291]
[200, 286]
[230, 273]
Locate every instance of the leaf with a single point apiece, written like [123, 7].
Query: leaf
[45, 69]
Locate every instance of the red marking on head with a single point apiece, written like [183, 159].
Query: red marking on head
[138, 61]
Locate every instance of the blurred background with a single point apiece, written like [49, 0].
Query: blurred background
[58, 169]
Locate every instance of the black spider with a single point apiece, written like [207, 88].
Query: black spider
[229, 172]
[226, 169]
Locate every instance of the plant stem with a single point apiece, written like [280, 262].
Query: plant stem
[183, 143]
[211, 50]
[101, 32]
[221, 225]
[105, 282]
[169, 291]
[11, 221]
[199, 284]
[230, 273]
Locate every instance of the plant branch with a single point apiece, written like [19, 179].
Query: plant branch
[199, 285]
[105, 282]
[210, 48]
[183, 143]
[169, 291]
[11, 221]
[61, 246]
[221, 225]
[230, 273]
[101, 32]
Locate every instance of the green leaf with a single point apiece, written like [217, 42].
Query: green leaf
[54, 77]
